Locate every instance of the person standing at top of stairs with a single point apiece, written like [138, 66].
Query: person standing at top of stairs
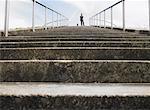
[81, 19]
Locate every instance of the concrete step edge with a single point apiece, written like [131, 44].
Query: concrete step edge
[78, 48]
[75, 61]
[74, 89]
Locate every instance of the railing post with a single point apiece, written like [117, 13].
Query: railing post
[6, 18]
[100, 20]
[94, 21]
[45, 18]
[123, 15]
[104, 20]
[67, 22]
[111, 17]
[97, 20]
[33, 16]
[52, 20]
[57, 19]
[149, 16]
[91, 21]
[60, 20]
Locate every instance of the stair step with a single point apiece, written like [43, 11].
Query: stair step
[74, 44]
[81, 36]
[76, 53]
[74, 103]
[72, 89]
[85, 71]
[50, 96]
[71, 39]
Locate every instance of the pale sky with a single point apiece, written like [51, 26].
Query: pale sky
[21, 12]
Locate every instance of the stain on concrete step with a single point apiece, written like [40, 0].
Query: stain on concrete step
[74, 103]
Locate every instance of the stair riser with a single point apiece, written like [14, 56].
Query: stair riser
[75, 72]
[74, 103]
[71, 39]
[74, 33]
[17, 45]
[81, 36]
[75, 54]
[34, 40]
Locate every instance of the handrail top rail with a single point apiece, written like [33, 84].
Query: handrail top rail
[49, 8]
[109, 7]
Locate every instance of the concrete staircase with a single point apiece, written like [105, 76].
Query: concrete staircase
[75, 68]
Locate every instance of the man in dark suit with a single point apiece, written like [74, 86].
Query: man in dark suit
[81, 19]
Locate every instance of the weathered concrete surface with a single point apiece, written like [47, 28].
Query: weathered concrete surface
[74, 89]
[76, 72]
[106, 35]
[73, 44]
[75, 53]
[47, 96]
[71, 31]
[71, 39]
[74, 103]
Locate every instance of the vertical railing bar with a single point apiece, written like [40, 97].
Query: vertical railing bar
[94, 20]
[60, 20]
[89, 22]
[111, 17]
[123, 15]
[52, 20]
[57, 19]
[149, 16]
[6, 26]
[33, 16]
[45, 18]
[100, 20]
[97, 20]
[104, 19]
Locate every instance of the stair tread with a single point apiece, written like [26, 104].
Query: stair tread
[72, 89]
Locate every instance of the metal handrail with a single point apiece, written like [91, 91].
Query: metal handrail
[104, 11]
[106, 22]
[92, 20]
[60, 17]
[57, 21]
[53, 11]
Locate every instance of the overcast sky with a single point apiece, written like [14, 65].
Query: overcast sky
[21, 12]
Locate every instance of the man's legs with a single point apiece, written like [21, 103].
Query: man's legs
[81, 22]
